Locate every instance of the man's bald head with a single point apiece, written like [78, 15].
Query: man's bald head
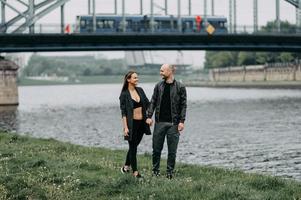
[167, 71]
[168, 66]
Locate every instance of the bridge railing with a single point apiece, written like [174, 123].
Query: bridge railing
[73, 28]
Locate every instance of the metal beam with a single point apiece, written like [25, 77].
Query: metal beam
[255, 15]
[23, 3]
[76, 42]
[230, 15]
[298, 17]
[123, 24]
[152, 16]
[234, 16]
[212, 7]
[166, 7]
[30, 16]
[205, 13]
[62, 18]
[94, 15]
[40, 15]
[89, 7]
[293, 2]
[141, 7]
[179, 17]
[2, 13]
[19, 17]
[278, 15]
[189, 7]
[12, 7]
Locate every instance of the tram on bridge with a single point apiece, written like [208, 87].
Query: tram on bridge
[143, 24]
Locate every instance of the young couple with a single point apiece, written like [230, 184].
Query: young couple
[169, 102]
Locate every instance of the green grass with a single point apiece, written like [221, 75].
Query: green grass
[47, 169]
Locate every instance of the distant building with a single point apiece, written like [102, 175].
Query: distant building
[147, 62]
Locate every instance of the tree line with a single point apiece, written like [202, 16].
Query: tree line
[220, 59]
[73, 66]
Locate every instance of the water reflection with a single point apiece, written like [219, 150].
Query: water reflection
[8, 118]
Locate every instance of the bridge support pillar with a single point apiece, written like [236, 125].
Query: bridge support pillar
[8, 83]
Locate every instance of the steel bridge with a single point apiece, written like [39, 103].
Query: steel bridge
[22, 33]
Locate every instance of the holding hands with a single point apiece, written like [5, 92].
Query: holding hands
[149, 121]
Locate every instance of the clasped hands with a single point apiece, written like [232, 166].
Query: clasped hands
[149, 121]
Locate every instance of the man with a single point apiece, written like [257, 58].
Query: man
[169, 103]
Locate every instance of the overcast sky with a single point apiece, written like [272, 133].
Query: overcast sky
[266, 13]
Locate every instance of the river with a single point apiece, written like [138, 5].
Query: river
[255, 130]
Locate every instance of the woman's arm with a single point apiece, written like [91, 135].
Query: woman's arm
[123, 114]
[122, 101]
[125, 126]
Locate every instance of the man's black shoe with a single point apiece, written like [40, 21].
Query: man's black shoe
[156, 173]
[169, 176]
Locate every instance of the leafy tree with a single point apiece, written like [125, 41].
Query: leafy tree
[285, 27]
[225, 59]
[72, 65]
[246, 58]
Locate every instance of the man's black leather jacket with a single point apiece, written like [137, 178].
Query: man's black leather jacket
[178, 100]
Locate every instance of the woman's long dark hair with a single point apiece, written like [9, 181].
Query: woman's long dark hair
[125, 81]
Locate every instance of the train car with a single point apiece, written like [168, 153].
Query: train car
[142, 24]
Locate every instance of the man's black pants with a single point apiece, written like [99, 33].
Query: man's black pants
[170, 131]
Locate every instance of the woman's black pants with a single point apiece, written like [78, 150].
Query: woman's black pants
[131, 157]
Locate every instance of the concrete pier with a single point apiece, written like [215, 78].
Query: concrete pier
[8, 83]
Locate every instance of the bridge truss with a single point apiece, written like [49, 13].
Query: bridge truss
[28, 13]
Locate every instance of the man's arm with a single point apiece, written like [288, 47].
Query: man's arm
[152, 106]
[183, 104]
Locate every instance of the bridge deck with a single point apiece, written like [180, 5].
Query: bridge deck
[104, 42]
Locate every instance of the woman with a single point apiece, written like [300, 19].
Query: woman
[133, 105]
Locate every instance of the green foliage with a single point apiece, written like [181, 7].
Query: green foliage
[246, 58]
[72, 66]
[48, 169]
[219, 59]
[285, 27]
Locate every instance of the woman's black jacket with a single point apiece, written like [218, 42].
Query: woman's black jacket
[126, 107]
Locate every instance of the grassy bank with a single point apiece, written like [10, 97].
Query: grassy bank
[48, 169]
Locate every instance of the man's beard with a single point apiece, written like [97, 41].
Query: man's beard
[164, 77]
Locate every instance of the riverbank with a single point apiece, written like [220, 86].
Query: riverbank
[101, 79]
[105, 79]
[47, 169]
[257, 84]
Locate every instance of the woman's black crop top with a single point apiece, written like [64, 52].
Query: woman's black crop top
[137, 104]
